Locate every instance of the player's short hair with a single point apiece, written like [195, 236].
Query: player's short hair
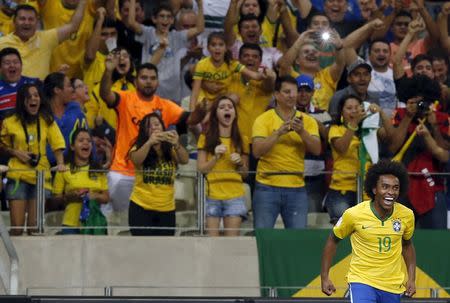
[386, 167]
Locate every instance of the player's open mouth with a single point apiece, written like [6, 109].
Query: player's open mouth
[388, 200]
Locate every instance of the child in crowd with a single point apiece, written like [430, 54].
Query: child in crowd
[212, 76]
[80, 185]
[223, 156]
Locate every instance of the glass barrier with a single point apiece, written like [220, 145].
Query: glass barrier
[191, 188]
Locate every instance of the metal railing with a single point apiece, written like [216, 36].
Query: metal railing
[197, 209]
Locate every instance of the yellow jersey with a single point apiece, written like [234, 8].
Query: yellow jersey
[94, 72]
[36, 52]
[68, 181]
[376, 244]
[154, 188]
[288, 153]
[224, 182]
[13, 136]
[253, 101]
[96, 106]
[71, 51]
[205, 70]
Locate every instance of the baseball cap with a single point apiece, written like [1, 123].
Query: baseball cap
[305, 80]
[358, 63]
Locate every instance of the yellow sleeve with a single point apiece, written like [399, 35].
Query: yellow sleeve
[344, 225]
[245, 145]
[260, 129]
[55, 137]
[335, 132]
[311, 125]
[200, 69]
[92, 106]
[50, 38]
[201, 142]
[58, 184]
[409, 229]
[236, 67]
[4, 134]
[103, 182]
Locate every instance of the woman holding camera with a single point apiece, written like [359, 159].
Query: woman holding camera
[155, 156]
[348, 152]
[25, 136]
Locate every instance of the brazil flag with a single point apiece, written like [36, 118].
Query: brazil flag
[290, 260]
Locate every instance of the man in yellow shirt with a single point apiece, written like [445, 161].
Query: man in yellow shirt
[305, 54]
[380, 233]
[35, 46]
[281, 136]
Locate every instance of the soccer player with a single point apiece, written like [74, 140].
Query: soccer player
[380, 233]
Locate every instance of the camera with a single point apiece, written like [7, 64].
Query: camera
[320, 37]
[423, 106]
[34, 160]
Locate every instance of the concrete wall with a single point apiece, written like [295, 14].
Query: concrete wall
[76, 265]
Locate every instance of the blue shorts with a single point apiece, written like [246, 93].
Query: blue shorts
[226, 208]
[19, 190]
[363, 293]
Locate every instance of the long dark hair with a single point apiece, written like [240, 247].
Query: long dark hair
[212, 136]
[45, 110]
[338, 120]
[143, 135]
[94, 166]
[220, 35]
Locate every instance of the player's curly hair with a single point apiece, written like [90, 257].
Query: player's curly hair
[386, 167]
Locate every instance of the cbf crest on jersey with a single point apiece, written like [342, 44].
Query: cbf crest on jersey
[396, 225]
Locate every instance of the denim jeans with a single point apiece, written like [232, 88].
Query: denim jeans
[270, 201]
[336, 203]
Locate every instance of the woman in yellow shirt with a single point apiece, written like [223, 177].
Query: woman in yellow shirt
[155, 156]
[83, 182]
[223, 156]
[25, 136]
[348, 153]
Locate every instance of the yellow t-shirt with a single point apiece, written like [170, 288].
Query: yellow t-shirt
[347, 163]
[287, 155]
[36, 52]
[13, 136]
[376, 245]
[223, 185]
[94, 72]
[253, 102]
[68, 181]
[154, 188]
[205, 70]
[71, 51]
[96, 106]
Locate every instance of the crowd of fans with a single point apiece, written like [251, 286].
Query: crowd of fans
[289, 89]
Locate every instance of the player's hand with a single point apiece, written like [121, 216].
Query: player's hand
[410, 288]
[328, 287]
